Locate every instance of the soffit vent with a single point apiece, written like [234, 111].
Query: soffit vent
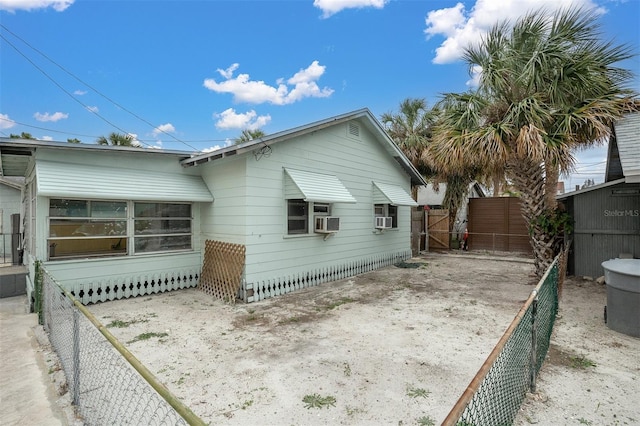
[354, 130]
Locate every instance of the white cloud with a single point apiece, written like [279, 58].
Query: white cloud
[6, 122]
[163, 128]
[331, 7]
[28, 5]
[92, 108]
[476, 73]
[212, 148]
[228, 73]
[229, 119]
[461, 28]
[256, 92]
[56, 116]
[80, 92]
[46, 138]
[445, 21]
[134, 140]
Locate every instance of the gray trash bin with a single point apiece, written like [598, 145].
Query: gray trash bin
[623, 295]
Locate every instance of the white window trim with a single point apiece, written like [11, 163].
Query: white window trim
[129, 235]
[311, 213]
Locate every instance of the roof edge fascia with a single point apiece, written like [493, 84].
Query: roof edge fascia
[591, 188]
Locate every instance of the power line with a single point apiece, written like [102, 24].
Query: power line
[61, 87]
[87, 85]
[47, 129]
[94, 136]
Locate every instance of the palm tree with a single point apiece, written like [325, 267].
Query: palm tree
[116, 139]
[249, 135]
[548, 87]
[23, 135]
[410, 129]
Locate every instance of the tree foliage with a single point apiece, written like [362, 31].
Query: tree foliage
[249, 135]
[548, 87]
[117, 139]
[23, 135]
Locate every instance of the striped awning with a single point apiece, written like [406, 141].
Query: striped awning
[56, 179]
[315, 187]
[384, 193]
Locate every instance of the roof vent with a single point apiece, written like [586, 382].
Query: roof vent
[354, 129]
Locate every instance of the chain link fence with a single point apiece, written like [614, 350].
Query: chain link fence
[108, 385]
[495, 394]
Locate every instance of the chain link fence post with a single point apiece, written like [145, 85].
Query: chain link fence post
[534, 343]
[76, 358]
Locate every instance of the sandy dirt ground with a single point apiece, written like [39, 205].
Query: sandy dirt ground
[394, 346]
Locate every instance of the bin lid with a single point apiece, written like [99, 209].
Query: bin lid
[623, 266]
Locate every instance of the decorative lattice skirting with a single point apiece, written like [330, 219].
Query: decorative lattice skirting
[222, 270]
[255, 291]
[130, 286]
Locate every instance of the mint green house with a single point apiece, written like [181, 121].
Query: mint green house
[312, 204]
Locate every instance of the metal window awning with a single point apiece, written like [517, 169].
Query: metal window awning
[55, 179]
[384, 193]
[315, 187]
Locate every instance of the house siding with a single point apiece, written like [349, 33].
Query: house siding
[274, 257]
[225, 219]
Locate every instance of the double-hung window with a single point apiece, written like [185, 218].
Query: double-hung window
[97, 228]
[297, 217]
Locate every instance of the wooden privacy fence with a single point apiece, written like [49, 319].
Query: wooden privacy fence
[496, 223]
[222, 270]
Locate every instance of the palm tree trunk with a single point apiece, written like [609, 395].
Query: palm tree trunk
[454, 196]
[497, 185]
[528, 179]
[551, 185]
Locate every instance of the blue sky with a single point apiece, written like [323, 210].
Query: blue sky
[190, 75]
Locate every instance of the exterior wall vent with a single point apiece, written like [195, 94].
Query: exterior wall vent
[354, 129]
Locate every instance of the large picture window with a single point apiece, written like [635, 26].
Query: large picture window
[162, 227]
[94, 228]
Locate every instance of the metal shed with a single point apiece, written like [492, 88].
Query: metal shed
[607, 216]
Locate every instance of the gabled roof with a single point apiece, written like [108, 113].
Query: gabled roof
[363, 115]
[623, 157]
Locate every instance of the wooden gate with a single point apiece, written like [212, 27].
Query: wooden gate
[438, 229]
[417, 231]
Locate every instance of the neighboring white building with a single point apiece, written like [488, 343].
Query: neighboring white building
[10, 204]
[427, 196]
[312, 204]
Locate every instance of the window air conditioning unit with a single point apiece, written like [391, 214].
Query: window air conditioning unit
[384, 222]
[327, 224]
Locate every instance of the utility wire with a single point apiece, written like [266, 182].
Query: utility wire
[62, 88]
[92, 136]
[87, 85]
[47, 129]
